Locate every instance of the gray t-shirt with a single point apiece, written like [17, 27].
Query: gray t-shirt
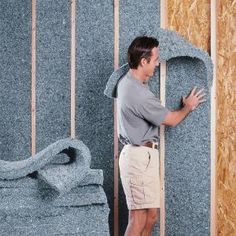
[139, 112]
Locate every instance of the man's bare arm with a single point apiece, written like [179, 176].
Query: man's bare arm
[190, 103]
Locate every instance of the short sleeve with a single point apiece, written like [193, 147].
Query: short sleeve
[152, 110]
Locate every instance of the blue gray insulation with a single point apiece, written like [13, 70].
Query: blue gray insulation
[43, 195]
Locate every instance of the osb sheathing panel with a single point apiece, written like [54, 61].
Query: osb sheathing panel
[191, 19]
[226, 118]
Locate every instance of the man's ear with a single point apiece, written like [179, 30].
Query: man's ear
[143, 62]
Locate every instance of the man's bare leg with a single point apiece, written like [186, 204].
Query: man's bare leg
[152, 217]
[137, 221]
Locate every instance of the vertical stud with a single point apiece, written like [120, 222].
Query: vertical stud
[162, 127]
[73, 66]
[213, 117]
[116, 144]
[33, 79]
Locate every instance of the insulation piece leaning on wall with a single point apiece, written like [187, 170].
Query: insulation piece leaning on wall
[187, 157]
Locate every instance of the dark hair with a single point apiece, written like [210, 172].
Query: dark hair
[141, 47]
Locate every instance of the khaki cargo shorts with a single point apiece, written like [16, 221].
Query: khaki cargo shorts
[139, 172]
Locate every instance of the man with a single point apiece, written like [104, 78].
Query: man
[139, 115]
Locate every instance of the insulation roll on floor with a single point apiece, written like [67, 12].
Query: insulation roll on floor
[31, 205]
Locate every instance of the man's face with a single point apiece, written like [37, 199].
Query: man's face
[150, 67]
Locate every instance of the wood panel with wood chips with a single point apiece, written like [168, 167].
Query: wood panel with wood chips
[226, 118]
[191, 19]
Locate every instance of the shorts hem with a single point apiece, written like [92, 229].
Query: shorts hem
[143, 206]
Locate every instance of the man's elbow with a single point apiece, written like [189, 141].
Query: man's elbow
[170, 120]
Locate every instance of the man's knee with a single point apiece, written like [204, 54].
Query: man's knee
[137, 218]
[152, 216]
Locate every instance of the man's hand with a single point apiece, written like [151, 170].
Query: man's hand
[173, 118]
[194, 99]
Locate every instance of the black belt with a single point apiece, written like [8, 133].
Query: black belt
[151, 145]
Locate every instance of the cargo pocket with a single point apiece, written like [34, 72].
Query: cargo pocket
[142, 189]
[137, 189]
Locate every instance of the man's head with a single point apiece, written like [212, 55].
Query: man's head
[143, 53]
